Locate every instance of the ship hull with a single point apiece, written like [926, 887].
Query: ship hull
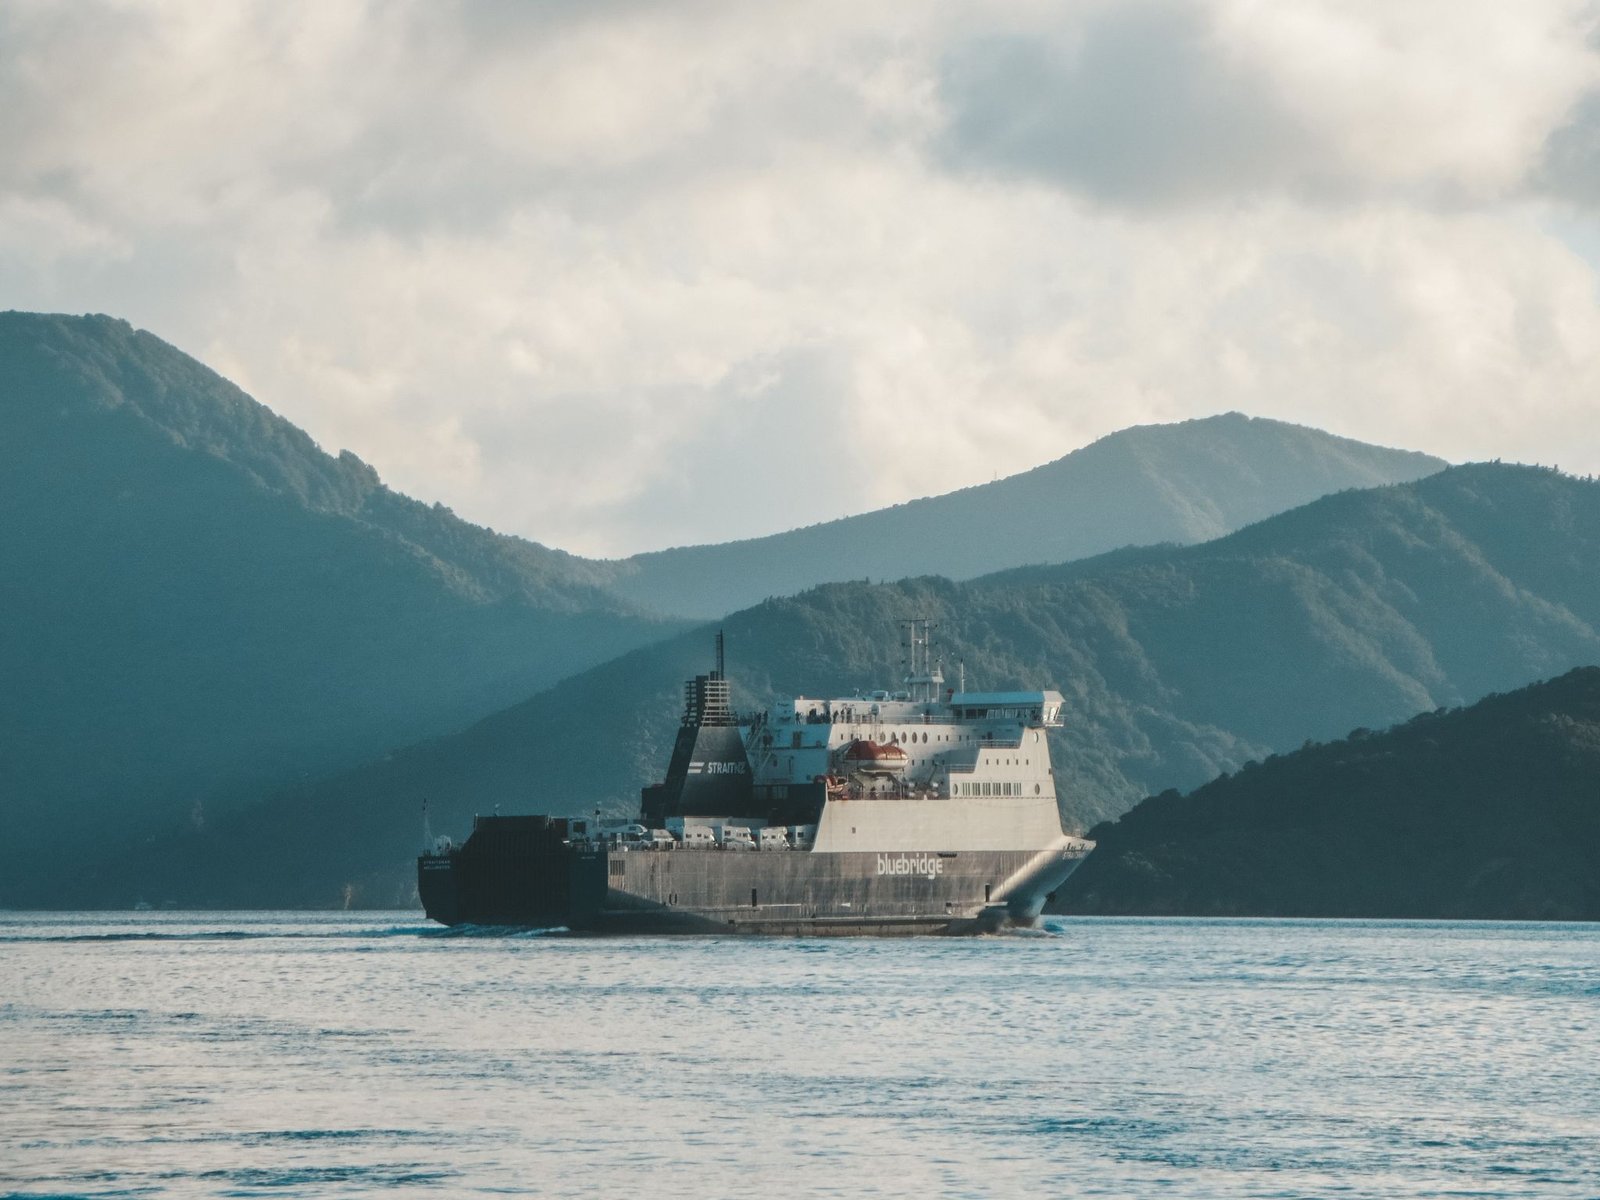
[784, 892]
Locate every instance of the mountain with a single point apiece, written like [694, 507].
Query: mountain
[1490, 812]
[1186, 482]
[202, 606]
[200, 603]
[1177, 663]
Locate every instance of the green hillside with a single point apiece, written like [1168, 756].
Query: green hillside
[199, 603]
[1487, 812]
[1177, 663]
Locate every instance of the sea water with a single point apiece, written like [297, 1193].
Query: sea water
[195, 1054]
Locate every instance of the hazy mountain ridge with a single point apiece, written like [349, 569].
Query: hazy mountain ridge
[1490, 812]
[1177, 663]
[198, 600]
[1185, 482]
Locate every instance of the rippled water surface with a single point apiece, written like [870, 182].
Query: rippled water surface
[286, 1055]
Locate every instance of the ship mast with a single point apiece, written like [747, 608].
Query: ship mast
[924, 677]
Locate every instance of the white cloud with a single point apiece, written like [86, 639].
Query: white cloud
[625, 276]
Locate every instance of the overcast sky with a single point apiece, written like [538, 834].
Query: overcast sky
[621, 276]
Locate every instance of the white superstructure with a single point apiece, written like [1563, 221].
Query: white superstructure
[926, 767]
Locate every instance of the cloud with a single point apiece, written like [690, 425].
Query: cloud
[1140, 104]
[623, 276]
[1569, 165]
[1160, 102]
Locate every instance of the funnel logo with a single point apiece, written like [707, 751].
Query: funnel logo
[717, 768]
[910, 864]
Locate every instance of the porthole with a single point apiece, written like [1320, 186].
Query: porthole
[1036, 789]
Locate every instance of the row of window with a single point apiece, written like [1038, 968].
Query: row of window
[1004, 787]
[896, 738]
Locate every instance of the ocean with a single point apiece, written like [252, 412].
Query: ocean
[292, 1054]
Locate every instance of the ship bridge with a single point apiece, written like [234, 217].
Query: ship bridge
[1026, 708]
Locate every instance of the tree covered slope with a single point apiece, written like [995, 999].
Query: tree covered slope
[1489, 812]
[198, 601]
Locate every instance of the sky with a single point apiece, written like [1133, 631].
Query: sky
[629, 275]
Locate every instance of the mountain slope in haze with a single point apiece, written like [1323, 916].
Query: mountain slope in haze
[1490, 813]
[198, 600]
[1177, 663]
[1186, 482]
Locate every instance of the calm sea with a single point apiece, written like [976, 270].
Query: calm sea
[199, 1054]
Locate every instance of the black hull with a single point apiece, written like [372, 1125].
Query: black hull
[779, 892]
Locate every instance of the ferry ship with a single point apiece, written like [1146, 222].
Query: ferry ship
[924, 810]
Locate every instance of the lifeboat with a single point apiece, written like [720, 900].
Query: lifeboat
[871, 758]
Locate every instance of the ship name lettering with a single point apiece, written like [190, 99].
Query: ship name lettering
[910, 864]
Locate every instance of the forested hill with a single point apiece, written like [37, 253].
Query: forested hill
[1488, 812]
[1185, 482]
[1177, 663]
[198, 599]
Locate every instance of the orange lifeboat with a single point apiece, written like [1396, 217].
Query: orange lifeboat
[871, 758]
